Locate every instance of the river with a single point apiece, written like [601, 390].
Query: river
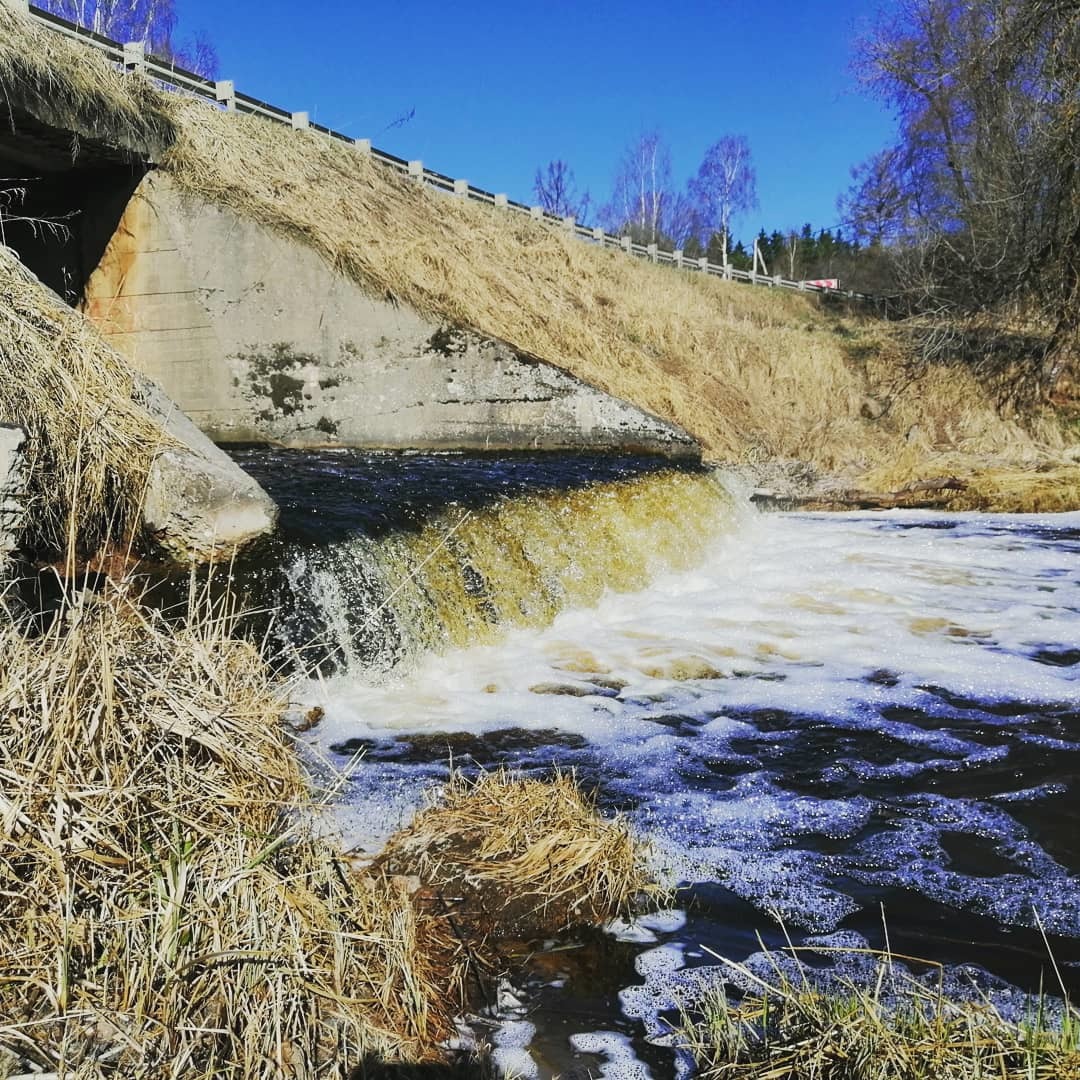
[856, 724]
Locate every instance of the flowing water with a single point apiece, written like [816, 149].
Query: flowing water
[814, 718]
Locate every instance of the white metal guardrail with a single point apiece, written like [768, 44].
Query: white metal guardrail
[132, 57]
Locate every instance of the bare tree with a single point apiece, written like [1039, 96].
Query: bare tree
[150, 21]
[725, 186]
[643, 199]
[979, 198]
[557, 191]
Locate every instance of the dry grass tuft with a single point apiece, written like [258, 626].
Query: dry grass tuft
[518, 856]
[76, 89]
[167, 910]
[786, 1028]
[90, 444]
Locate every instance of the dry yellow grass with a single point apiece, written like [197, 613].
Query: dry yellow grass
[90, 444]
[520, 856]
[170, 908]
[1047, 490]
[76, 88]
[787, 1026]
[752, 373]
[167, 910]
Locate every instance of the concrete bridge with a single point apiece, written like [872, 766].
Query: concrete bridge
[253, 333]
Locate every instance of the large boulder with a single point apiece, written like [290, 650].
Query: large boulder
[199, 504]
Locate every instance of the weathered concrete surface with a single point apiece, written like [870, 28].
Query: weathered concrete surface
[259, 339]
[12, 491]
[199, 504]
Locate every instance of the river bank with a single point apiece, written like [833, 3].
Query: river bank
[175, 901]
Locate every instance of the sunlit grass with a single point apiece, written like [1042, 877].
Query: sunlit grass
[785, 1025]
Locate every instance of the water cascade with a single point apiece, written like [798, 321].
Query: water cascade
[385, 592]
[817, 717]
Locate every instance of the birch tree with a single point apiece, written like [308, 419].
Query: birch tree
[152, 22]
[642, 199]
[725, 186]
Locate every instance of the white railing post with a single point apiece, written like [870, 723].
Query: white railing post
[625, 241]
[363, 145]
[501, 201]
[653, 250]
[598, 235]
[677, 257]
[225, 93]
[703, 264]
[461, 188]
[569, 222]
[134, 56]
[416, 171]
[301, 121]
[536, 213]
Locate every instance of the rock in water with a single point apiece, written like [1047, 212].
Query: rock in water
[199, 504]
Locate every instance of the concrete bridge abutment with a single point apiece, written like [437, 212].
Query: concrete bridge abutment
[259, 339]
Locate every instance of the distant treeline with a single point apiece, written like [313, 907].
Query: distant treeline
[807, 254]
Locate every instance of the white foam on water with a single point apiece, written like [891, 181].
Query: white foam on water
[510, 1049]
[749, 714]
[621, 1064]
[666, 921]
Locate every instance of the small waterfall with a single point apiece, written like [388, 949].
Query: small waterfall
[375, 601]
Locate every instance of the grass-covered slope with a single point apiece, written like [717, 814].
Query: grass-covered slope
[752, 373]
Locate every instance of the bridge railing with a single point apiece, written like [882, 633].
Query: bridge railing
[133, 58]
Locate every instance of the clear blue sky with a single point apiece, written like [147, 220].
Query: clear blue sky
[500, 88]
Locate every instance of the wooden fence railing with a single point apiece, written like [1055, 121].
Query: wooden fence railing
[132, 57]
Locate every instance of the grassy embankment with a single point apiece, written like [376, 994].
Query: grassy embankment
[755, 375]
[169, 905]
[783, 1025]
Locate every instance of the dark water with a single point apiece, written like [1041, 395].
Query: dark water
[332, 495]
[861, 725]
